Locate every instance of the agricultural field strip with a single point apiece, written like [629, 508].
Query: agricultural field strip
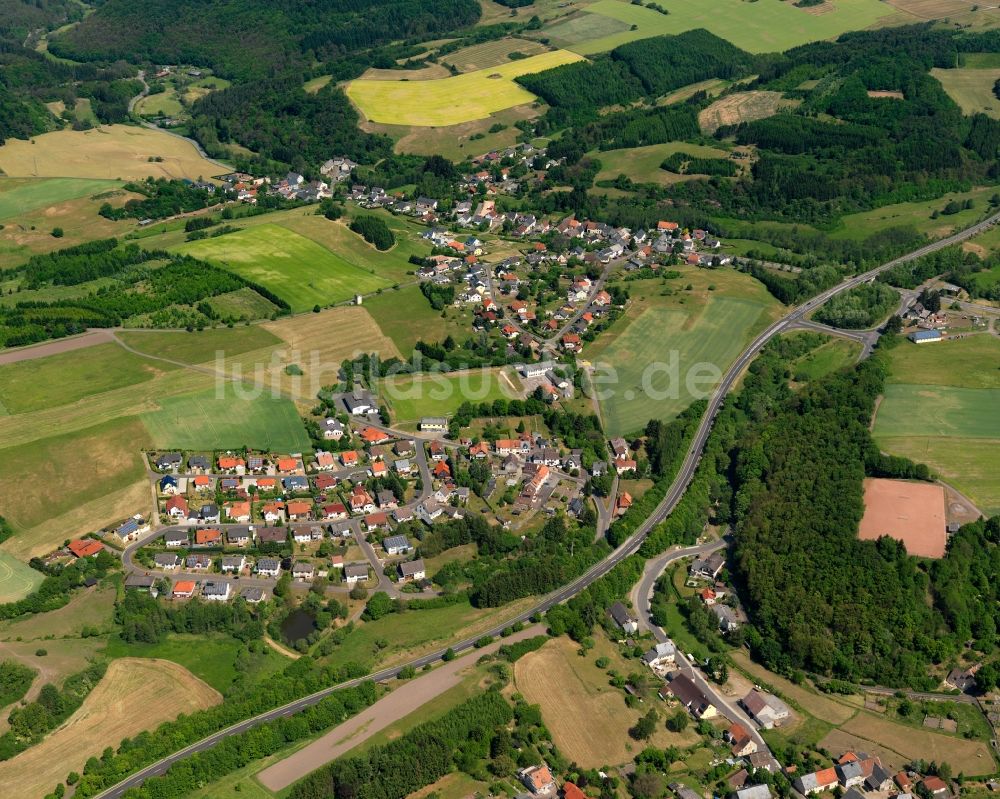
[454, 100]
[919, 410]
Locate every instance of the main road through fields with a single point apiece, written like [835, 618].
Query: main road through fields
[630, 547]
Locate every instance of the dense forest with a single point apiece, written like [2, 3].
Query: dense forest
[249, 38]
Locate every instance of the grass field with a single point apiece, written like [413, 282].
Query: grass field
[19, 195]
[948, 419]
[582, 28]
[451, 101]
[825, 359]
[742, 107]
[972, 89]
[411, 397]
[115, 152]
[16, 579]
[93, 607]
[242, 304]
[979, 60]
[51, 476]
[314, 85]
[915, 410]
[297, 269]
[491, 54]
[661, 349]
[133, 696]
[206, 421]
[63, 379]
[166, 103]
[757, 27]
[965, 757]
[200, 346]
[642, 164]
[420, 321]
[576, 700]
[917, 215]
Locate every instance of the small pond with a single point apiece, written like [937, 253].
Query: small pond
[297, 625]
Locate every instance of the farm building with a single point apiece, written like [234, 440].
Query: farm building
[925, 336]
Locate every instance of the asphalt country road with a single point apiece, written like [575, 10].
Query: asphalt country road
[678, 487]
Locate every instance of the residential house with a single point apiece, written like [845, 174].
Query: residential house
[661, 655]
[376, 521]
[361, 501]
[741, 742]
[175, 538]
[198, 562]
[202, 483]
[627, 622]
[238, 511]
[183, 589]
[753, 792]
[209, 513]
[434, 424]
[296, 484]
[708, 568]
[253, 595]
[140, 582]
[85, 547]
[303, 571]
[349, 458]
[623, 503]
[267, 567]
[691, 697]
[429, 510]
[299, 509]
[816, 781]
[538, 780]
[396, 545]
[334, 511]
[728, 620]
[387, 500]
[402, 467]
[937, 787]
[167, 561]
[355, 572]
[168, 461]
[177, 507]
[168, 485]
[333, 429]
[216, 591]
[271, 535]
[325, 461]
[208, 537]
[412, 570]
[403, 514]
[234, 563]
[239, 536]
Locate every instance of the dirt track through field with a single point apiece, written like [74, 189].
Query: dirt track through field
[89, 339]
[397, 705]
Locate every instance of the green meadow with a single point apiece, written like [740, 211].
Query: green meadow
[763, 27]
[667, 336]
[20, 195]
[205, 420]
[411, 397]
[295, 268]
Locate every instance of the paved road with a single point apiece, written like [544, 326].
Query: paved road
[642, 596]
[631, 546]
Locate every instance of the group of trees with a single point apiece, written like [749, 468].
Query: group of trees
[163, 198]
[143, 619]
[860, 308]
[420, 757]
[374, 230]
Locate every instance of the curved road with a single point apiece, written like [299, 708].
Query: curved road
[678, 487]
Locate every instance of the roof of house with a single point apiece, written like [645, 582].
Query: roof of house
[216, 589]
[410, 568]
[570, 791]
[396, 542]
[85, 547]
[935, 784]
[620, 614]
[539, 776]
[184, 587]
[356, 570]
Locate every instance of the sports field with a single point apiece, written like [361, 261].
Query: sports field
[451, 101]
[412, 397]
[204, 421]
[948, 419]
[297, 269]
[668, 357]
[133, 696]
[17, 580]
[20, 195]
[910, 512]
[111, 152]
[762, 27]
[576, 698]
[972, 89]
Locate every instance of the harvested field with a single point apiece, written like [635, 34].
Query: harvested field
[454, 100]
[491, 54]
[912, 513]
[429, 72]
[742, 107]
[964, 756]
[576, 700]
[972, 89]
[324, 340]
[932, 9]
[877, 93]
[111, 152]
[133, 696]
